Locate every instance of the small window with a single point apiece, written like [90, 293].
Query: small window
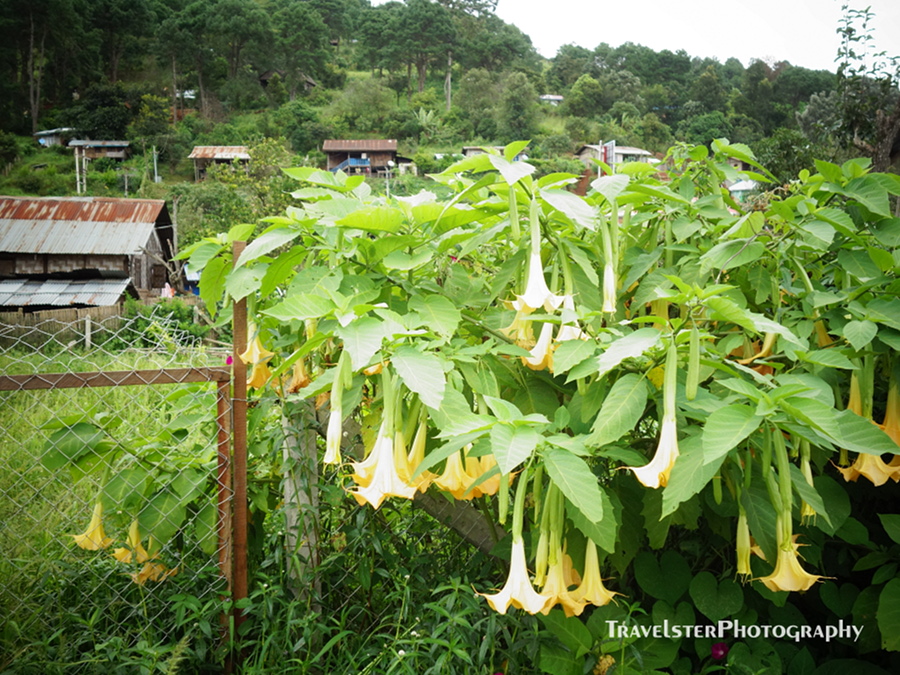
[158, 276]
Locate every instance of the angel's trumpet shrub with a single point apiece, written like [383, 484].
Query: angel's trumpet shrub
[415, 457]
[656, 473]
[93, 538]
[258, 357]
[591, 589]
[133, 551]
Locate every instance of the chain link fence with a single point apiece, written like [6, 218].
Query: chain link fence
[110, 494]
[115, 517]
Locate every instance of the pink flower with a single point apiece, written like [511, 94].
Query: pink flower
[229, 361]
[719, 651]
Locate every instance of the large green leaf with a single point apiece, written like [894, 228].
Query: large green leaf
[437, 312]
[891, 523]
[730, 254]
[621, 410]
[726, 427]
[374, 219]
[162, 515]
[666, 579]
[301, 306]
[889, 615]
[70, 444]
[808, 493]
[512, 172]
[577, 482]
[631, 345]
[603, 533]
[570, 631]
[858, 434]
[267, 242]
[570, 353]
[689, 475]
[716, 600]
[512, 444]
[212, 283]
[572, 206]
[362, 340]
[422, 373]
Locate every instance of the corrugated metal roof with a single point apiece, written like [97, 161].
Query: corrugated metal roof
[219, 152]
[371, 145]
[88, 225]
[99, 144]
[61, 292]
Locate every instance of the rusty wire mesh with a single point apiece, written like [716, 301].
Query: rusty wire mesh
[144, 455]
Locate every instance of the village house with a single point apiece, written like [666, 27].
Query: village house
[361, 156]
[82, 251]
[205, 155]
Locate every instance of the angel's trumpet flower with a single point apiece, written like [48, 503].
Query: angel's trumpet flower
[93, 538]
[656, 473]
[517, 591]
[537, 293]
[520, 331]
[133, 551]
[789, 575]
[542, 353]
[152, 571]
[257, 356]
[385, 480]
[743, 546]
[867, 465]
[455, 479]
[591, 590]
[414, 458]
[335, 429]
[557, 592]
[569, 331]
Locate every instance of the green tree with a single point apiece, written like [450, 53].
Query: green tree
[426, 34]
[477, 98]
[236, 25]
[122, 25]
[518, 108]
[708, 90]
[585, 98]
[301, 43]
[868, 87]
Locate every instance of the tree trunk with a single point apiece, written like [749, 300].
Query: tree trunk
[422, 71]
[448, 92]
[887, 131]
[174, 90]
[301, 499]
[35, 71]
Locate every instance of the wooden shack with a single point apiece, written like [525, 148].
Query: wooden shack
[205, 155]
[86, 239]
[360, 156]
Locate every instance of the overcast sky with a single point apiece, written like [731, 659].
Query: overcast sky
[799, 31]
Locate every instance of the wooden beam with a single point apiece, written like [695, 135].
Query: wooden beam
[118, 378]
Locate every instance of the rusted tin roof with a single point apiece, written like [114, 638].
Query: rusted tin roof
[219, 152]
[61, 292]
[87, 225]
[370, 145]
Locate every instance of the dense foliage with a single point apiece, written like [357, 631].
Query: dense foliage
[652, 380]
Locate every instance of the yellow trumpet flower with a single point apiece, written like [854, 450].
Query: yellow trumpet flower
[557, 591]
[871, 466]
[591, 590]
[414, 458]
[744, 547]
[133, 550]
[333, 438]
[609, 289]
[569, 331]
[542, 353]
[93, 538]
[789, 575]
[537, 294]
[518, 590]
[455, 479]
[257, 356]
[519, 331]
[656, 473]
[384, 480]
[152, 571]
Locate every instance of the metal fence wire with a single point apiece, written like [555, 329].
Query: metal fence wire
[110, 491]
[115, 511]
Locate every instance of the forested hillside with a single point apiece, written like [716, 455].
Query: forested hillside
[436, 75]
